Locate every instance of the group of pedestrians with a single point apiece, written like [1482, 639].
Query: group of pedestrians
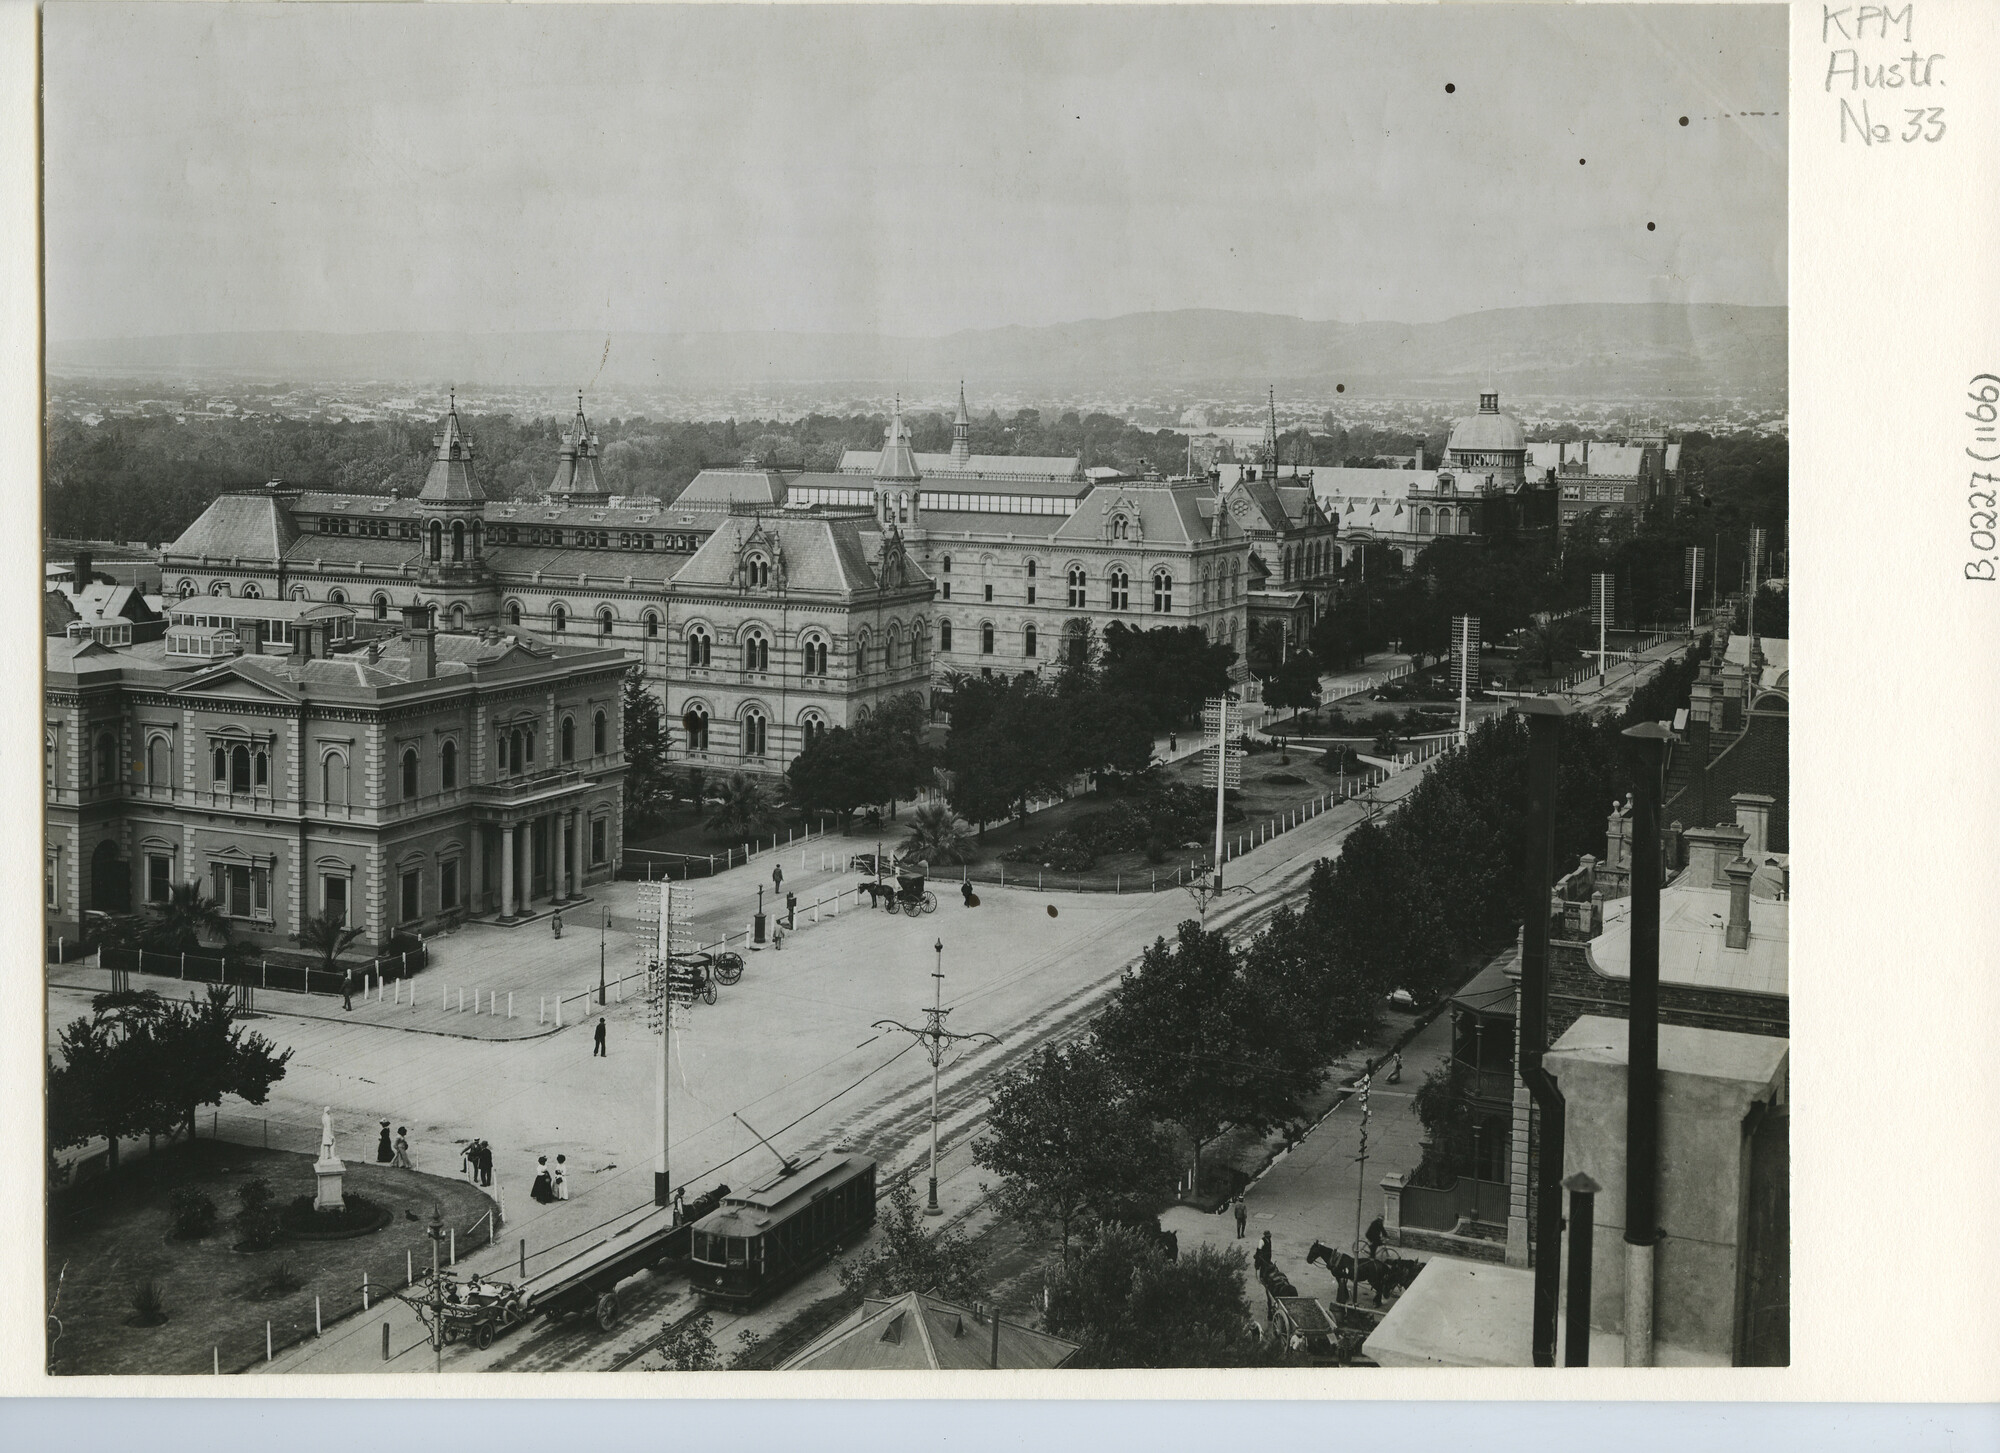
[394, 1152]
[477, 1159]
[551, 1181]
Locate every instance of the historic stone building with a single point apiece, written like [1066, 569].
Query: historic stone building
[396, 781]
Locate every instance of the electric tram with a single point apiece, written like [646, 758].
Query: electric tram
[764, 1238]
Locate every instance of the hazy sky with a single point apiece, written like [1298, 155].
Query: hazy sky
[898, 169]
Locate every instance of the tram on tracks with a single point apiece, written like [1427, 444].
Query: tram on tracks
[585, 1283]
[763, 1239]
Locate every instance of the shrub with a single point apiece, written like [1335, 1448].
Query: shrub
[194, 1214]
[1065, 851]
[257, 1219]
[284, 1279]
[149, 1304]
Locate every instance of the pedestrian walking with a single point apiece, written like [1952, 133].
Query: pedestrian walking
[544, 1188]
[791, 910]
[468, 1160]
[597, 1040]
[965, 892]
[561, 1179]
[777, 936]
[347, 990]
[555, 924]
[384, 1151]
[485, 1164]
[1396, 1068]
[401, 1160]
[1242, 1217]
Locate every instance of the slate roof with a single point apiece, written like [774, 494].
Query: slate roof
[830, 555]
[1169, 514]
[255, 527]
[717, 489]
[636, 510]
[335, 551]
[938, 523]
[450, 477]
[1615, 461]
[920, 1332]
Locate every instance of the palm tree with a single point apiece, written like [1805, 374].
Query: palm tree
[936, 834]
[327, 935]
[1549, 643]
[177, 925]
[742, 807]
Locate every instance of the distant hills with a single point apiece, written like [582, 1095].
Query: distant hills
[1579, 349]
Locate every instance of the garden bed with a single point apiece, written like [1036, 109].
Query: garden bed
[114, 1234]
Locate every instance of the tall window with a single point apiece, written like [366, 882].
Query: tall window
[49, 761]
[569, 739]
[700, 647]
[986, 639]
[1121, 528]
[158, 763]
[946, 563]
[381, 603]
[756, 653]
[695, 723]
[159, 877]
[448, 765]
[989, 594]
[1031, 582]
[1076, 587]
[1121, 590]
[333, 779]
[757, 570]
[811, 726]
[514, 613]
[1028, 642]
[944, 635]
[600, 838]
[1163, 592]
[753, 733]
[861, 657]
[107, 759]
[600, 734]
[457, 540]
[458, 618]
[652, 626]
[604, 619]
[435, 532]
[409, 773]
[239, 769]
[559, 620]
[815, 654]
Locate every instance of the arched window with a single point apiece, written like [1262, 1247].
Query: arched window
[107, 759]
[946, 564]
[753, 733]
[558, 620]
[436, 533]
[986, 639]
[457, 540]
[605, 620]
[600, 733]
[652, 620]
[337, 596]
[1163, 592]
[220, 587]
[811, 727]
[159, 765]
[861, 656]
[944, 635]
[569, 739]
[1121, 528]
[458, 617]
[333, 779]
[409, 773]
[1076, 587]
[239, 768]
[694, 721]
[756, 570]
[756, 652]
[1031, 570]
[298, 592]
[1121, 589]
[514, 613]
[1424, 525]
[251, 592]
[1028, 642]
[815, 655]
[381, 603]
[186, 588]
[448, 765]
[700, 647]
[475, 539]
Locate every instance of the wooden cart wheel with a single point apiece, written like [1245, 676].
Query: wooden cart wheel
[708, 992]
[607, 1311]
[484, 1337]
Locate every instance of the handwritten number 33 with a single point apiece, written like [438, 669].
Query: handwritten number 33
[1921, 117]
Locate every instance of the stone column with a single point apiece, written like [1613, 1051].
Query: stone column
[528, 864]
[558, 824]
[507, 872]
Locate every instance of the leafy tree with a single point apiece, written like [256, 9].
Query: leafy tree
[648, 777]
[1295, 684]
[1168, 672]
[327, 935]
[1104, 734]
[900, 759]
[836, 773]
[1126, 1305]
[1202, 1045]
[909, 1258]
[937, 835]
[689, 1345]
[1066, 1142]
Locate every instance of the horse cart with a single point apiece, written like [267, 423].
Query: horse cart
[1326, 1336]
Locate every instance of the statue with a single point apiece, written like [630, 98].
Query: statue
[326, 1132]
[327, 1170]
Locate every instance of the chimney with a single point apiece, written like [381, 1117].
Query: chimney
[303, 643]
[82, 571]
[423, 642]
[1710, 850]
[1753, 815]
[1737, 935]
[1617, 835]
[1698, 749]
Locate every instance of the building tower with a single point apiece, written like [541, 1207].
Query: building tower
[896, 476]
[961, 432]
[452, 522]
[1271, 435]
[576, 480]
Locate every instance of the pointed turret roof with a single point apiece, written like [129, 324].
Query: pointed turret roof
[576, 462]
[451, 470]
[897, 464]
[963, 418]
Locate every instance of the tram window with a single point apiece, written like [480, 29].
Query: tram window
[737, 1246]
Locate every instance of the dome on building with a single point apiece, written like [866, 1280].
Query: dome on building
[1489, 430]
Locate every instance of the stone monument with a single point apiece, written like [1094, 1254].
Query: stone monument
[329, 1168]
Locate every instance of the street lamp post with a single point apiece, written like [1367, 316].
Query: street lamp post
[436, 1234]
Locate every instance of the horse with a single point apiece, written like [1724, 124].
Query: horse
[1383, 1277]
[876, 893]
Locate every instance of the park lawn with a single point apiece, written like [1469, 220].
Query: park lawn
[682, 832]
[109, 1235]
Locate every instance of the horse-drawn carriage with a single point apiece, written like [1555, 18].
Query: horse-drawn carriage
[724, 966]
[909, 892]
[1384, 1270]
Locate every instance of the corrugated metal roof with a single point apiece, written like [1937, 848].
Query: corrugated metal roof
[935, 468]
[255, 527]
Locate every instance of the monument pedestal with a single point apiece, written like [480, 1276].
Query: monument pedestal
[327, 1194]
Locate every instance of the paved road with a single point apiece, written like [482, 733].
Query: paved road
[791, 1049]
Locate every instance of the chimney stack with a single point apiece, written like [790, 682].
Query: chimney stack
[1710, 850]
[1698, 749]
[423, 642]
[1737, 935]
[1753, 815]
[303, 642]
[81, 569]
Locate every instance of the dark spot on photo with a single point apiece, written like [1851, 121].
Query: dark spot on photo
[1449, 88]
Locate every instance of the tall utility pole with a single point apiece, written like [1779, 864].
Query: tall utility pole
[1227, 766]
[934, 1039]
[1361, 1184]
[1465, 647]
[669, 993]
[1694, 564]
[1602, 588]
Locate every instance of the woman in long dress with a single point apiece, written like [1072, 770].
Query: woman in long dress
[384, 1151]
[402, 1159]
[543, 1189]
